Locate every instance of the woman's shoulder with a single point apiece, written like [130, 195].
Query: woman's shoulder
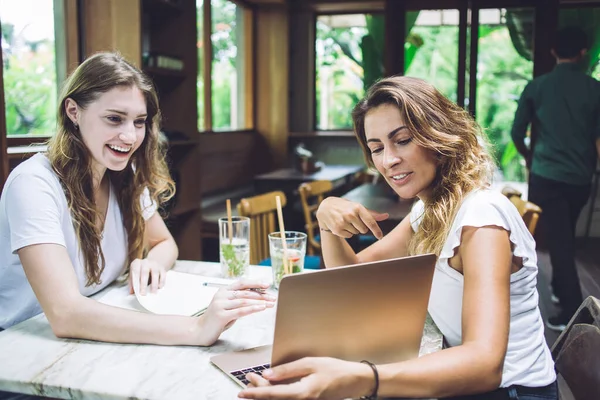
[36, 171]
[486, 206]
[483, 198]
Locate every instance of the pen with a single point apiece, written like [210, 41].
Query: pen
[220, 285]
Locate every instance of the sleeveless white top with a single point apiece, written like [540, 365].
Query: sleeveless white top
[528, 361]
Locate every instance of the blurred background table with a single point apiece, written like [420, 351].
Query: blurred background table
[289, 179]
[381, 198]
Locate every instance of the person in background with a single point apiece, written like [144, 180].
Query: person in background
[483, 296]
[563, 107]
[74, 219]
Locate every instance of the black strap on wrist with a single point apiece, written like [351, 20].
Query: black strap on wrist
[373, 395]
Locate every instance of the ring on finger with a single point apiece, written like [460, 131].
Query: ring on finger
[235, 294]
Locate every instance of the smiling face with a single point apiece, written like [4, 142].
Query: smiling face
[112, 127]
[409, 169]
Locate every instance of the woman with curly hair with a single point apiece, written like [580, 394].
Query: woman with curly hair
[483, 297]
[76, 218]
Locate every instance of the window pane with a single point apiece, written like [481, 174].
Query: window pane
[228, 69]
[504, 66]
[431, 48]
[28, 51]
[349, 59]
[200, 79]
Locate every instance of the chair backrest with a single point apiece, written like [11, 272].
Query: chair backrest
[578, 362]
[311, 195]
[262, 211]
[510, 191]
[529, 212]
[366, 176]
[576, 352]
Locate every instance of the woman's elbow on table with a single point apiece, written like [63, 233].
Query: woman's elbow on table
[63, 319]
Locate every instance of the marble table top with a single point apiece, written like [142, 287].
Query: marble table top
[34, 361]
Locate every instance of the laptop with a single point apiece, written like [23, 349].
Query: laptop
[373, 311]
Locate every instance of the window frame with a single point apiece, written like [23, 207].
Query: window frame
[249, 75]
[326, 11]
[67, 56]
[66, 36]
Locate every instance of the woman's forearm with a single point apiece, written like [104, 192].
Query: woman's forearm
[463, 369]
[165, 253]
[336, 250]
[89, 319]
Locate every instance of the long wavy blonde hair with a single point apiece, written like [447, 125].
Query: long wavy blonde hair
[72, 160]
[437, 124]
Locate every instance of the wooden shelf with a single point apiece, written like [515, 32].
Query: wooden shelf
[169, 29]
[166, 80]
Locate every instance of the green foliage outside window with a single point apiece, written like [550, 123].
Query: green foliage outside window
[224, 39]
[225, 16]
[29, 73]
[349, 60]
[502, 75]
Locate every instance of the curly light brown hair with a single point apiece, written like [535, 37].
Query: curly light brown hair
[437, 124]
[72, 161]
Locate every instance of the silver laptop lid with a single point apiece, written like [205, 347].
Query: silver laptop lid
[374, 311]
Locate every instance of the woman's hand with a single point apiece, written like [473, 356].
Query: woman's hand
[231, 303]
[146, 272]
[312, 378]
[345, 218]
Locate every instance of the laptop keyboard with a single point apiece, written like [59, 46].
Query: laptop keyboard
[240, 374]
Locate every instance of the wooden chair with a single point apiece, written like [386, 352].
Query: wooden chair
[311, 195]
[262, 211]
[366, 176]
[576, 352]
[529, 212]
[510, 191]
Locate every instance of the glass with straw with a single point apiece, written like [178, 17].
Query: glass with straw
[287, 250]
[234, 244]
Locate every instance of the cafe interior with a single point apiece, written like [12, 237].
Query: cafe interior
[256, 99]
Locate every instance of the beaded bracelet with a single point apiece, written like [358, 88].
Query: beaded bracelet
[373, 395]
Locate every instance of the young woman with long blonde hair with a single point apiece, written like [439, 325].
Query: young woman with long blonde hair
[483, 297]
[76, 218]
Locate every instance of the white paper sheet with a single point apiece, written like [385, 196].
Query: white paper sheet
[183, 294]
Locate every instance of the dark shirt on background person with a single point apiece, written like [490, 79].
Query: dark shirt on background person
[564, 108]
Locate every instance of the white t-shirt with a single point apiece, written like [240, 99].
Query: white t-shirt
[528, 361]
[33, 210]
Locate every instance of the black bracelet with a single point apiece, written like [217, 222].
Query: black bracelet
[373, 395]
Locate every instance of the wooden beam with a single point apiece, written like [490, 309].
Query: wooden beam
[207, 63]
[546, 22]
[73, 58]
[66, 38]
[113, 25]
[395, 36]
[473, 60]
[462, 53]
[272, 80]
